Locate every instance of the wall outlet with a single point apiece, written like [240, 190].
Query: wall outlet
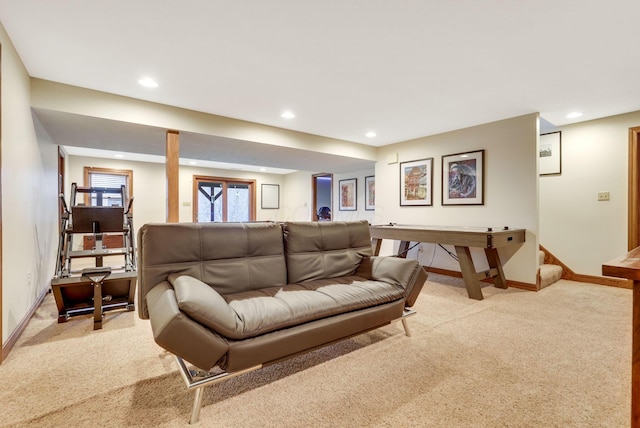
[603, 196]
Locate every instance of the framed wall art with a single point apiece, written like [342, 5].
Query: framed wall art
[463, 178]
[416, 183]
[347, 195]
[270, 196]
[370, 193]
[550, 153]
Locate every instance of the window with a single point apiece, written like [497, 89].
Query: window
[108, 178]
[218, 199]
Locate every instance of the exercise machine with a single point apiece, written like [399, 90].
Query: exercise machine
[105, 231]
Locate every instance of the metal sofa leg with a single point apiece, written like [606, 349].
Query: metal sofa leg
[197, 405]
[198, 379]
[407, 331]
[406, 314]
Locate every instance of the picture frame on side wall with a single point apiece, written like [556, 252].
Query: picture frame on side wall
[416, 183]
[463, 178]
[348, 194]
[270, 196]
[550, 153]
[370, 193]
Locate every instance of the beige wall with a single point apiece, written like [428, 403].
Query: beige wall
[360, 213]
[574, 226]
[511, 190]
[149, 187]
[298, 198]
[29, 203]
[150, 198]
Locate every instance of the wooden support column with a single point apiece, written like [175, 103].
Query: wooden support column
[173, 153]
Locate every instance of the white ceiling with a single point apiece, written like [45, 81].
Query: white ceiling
[402, 69]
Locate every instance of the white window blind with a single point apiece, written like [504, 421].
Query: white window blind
[114, 181]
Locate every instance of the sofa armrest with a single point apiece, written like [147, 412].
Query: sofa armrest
[406, 273]
[204, 304]
[181, 335]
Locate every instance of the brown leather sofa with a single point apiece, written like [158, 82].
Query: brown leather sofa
[233, 297]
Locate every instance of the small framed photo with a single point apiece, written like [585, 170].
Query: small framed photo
[463, 178]
[347, 194]
[416, 183]
[270, 196]
[550, 153]
[370, 193]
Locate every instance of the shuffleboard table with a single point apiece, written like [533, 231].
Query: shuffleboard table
[462, 238]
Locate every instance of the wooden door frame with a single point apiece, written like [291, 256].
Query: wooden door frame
[224, 180]
[61, 185]
[634, 189]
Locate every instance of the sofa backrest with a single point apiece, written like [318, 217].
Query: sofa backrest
[230, 257]
[318, 250]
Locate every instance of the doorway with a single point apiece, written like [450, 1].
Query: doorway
[217, 199]
[322, 185]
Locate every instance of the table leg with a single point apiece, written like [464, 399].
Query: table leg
[403, 248]
[494, 262]
[132, 294]
[469, 273]
[375, 246]
[57, 294]
[97, 305]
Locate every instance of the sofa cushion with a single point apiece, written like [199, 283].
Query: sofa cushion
[318, 250]
[251, 313]
[203, 304]
[274, 308]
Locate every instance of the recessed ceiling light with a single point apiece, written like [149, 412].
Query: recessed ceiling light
[148, 82]
[119, 155]
[370, 134]
[574, 115]
[288, 115]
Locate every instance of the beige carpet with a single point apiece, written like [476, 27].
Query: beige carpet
[557, 358]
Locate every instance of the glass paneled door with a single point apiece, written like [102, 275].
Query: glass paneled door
[223, 200]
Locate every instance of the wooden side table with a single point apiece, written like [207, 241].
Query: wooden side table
[628, 266]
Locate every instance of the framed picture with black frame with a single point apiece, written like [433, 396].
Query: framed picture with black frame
[348, 194]
[370, 193]
[463, 178]
[550, 153]
[270, 197]
[416, 183]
